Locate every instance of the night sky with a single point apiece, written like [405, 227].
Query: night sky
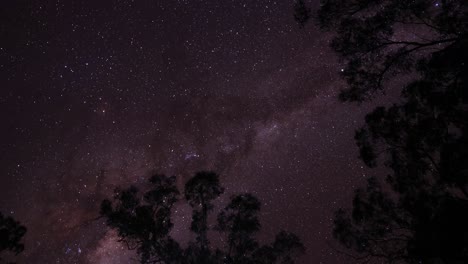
[100, 94]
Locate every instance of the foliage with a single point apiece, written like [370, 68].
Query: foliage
[379, 40]
[200, 191]
[11, 233]
[301, 13]
[144, 223]
[419, 214]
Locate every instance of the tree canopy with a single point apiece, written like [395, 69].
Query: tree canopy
[143, 222]
[302, 13]
[419, 213]
[11, 234]
[379, 40]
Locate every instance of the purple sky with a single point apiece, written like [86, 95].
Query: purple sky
[101, 94]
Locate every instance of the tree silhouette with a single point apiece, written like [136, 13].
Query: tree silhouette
[143, 223]
[11, 233]
[239, 220]
[381, 39]
[200, 191]
[419, 214]
[301, 13]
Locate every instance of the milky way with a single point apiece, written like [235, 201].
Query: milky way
[101, 94]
